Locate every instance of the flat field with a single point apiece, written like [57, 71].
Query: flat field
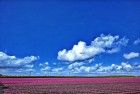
[130, 85]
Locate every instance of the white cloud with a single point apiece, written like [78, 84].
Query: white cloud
[91, 60]
[11, 65]
[7, 61]
[87, 69]
[81, 51]
[25, 70]
[29, 66]
[79, 67]
[114, 50]
[46, 67]
[131, 55]
[136, 41]
[57, 70]
[126, 66]
[44, 64]
[75, 65]
[123, 67]
[4, 56]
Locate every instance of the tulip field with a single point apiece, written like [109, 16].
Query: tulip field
[130, 85]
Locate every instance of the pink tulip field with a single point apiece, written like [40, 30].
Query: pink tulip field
[70, 85]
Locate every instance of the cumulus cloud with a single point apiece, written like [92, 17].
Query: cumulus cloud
[7, 61]
[78, 67]
[123, 67]
[88, 69]
[75, 65]
[81, 51]
[136, 42]
[131, 55]
[46, 67]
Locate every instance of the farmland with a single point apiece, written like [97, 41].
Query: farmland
[128, 85]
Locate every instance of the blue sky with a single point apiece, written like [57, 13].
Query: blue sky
[40, 36]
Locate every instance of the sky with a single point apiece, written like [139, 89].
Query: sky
[72, 37]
